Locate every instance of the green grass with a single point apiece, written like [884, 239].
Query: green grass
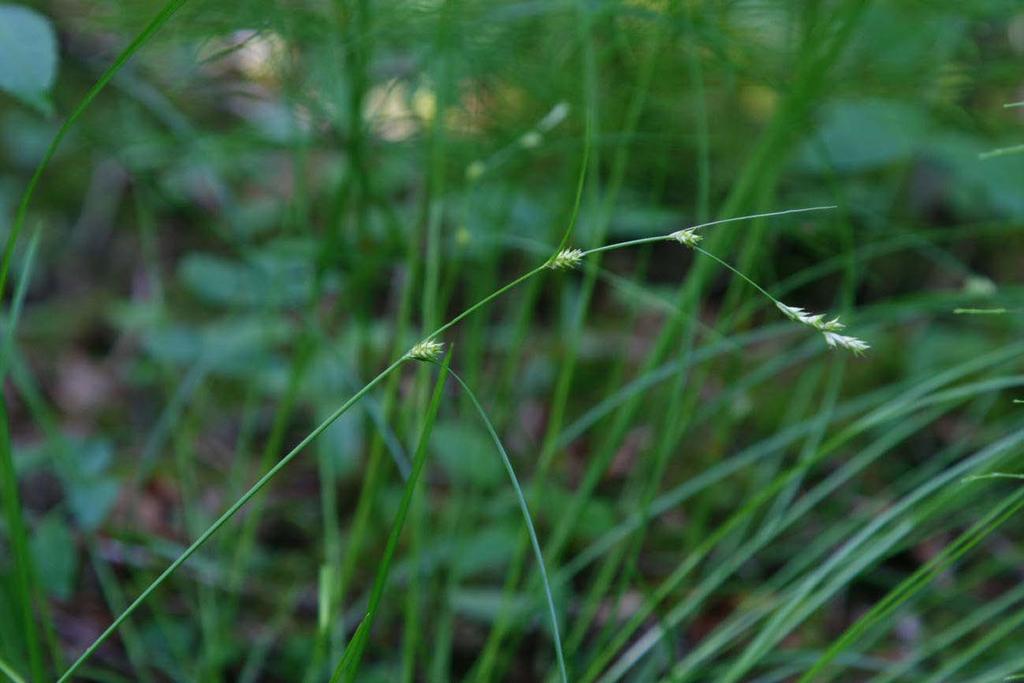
[625, 222]
[348, 666]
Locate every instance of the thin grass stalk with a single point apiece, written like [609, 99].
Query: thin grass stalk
[918, 580]
[1005, 628]
[335, 585]
[669, 584]
[527, 520]
[352, 20]
[185, 436]
[228, 514]
[114, 597]
[348, 667]
[17, 530]
[8, 670]
[17, 304]
[836, 537]
[729, 564]
[431, 304]
[600, 586]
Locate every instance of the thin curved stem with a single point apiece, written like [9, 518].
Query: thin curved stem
[737, 272]
[763, 215]
[524, 508]
[486, 300]
[228, 514]
[630, 243]
[581, 181]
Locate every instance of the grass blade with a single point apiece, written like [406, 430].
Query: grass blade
[7, 670]
[918, 580]
[23, 571]
[348, 667]
[527, 519]
[16, 305]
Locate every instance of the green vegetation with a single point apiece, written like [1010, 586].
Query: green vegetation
[477, 340]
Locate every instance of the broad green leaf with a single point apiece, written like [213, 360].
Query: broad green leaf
[278, 275]
[28, 55]
[858, 136]
[489, 549]
[53, 550]
[487, 604]
[91, 491]
[466, 455]
[239, 346]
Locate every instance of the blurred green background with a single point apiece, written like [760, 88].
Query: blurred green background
[272, 201]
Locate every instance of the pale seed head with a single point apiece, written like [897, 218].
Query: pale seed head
[687, 237]
[815, 320]
[832, 325]
[565, 259]
[426, 350]
[554, 117]
[828, 328]
[857, 346]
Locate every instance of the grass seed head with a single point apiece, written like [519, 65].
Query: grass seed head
[828, 328]
[554, 117]
[857, 346]
[687, 237]
[426, 350]
[814, 320]
[565, 259]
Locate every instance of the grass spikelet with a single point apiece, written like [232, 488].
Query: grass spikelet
[816, 321]
[565, 259]
[828, 328]
[427, 350]
[842, 341]
[687, 237]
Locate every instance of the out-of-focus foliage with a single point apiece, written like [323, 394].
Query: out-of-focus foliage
[275, 199]
[28, 55]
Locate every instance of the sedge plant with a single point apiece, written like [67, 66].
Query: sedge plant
[429, 348]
